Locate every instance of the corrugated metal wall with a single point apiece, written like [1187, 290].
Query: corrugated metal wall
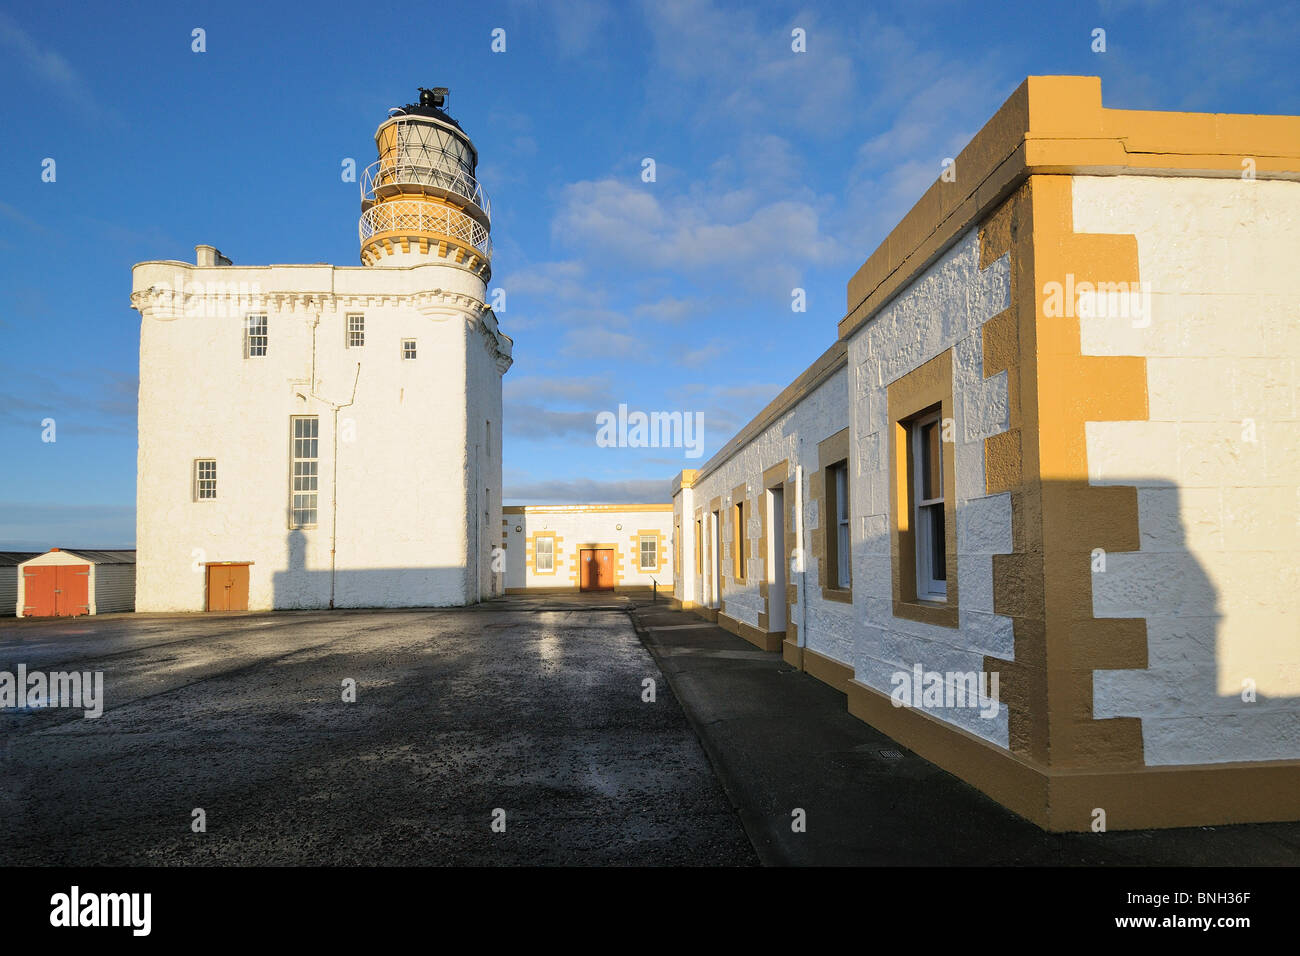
[114, 588]
[8, 591]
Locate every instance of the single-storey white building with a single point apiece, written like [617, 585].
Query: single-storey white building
[1034, 510]
[588, 547]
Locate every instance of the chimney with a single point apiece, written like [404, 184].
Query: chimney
[209, 256]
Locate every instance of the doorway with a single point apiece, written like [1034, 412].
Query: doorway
[715, 560]
[227, 587]
[597, 569]
[776, 569]
[56, 590]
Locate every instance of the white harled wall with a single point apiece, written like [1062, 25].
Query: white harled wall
[943, 308]
[577, 525]
[1218, 574]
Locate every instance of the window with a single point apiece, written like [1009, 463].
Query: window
[738, 543]
[649, 552]
[544, 554]
[922, 480]
[839, 557]
[408, 348]
[356, 331]
[925, 445]
[255, 337]
[205, 479]
[306, 471]
[699, 545]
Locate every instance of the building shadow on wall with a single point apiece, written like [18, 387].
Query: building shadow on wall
[300, 586]
[1132, 576]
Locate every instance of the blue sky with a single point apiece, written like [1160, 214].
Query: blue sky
[774, 170]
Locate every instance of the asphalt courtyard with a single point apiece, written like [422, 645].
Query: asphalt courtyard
[459, 715]
[528, 711]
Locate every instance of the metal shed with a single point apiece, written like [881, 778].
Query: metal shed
[66, 582]
[9, 561]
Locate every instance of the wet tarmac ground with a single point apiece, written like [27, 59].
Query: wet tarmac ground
[524, 707]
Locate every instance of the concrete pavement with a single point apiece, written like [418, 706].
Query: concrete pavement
[782, 741]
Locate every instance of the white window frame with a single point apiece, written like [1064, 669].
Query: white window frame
[550, 554]
[409, 350]
[257, 338]
[843, 541]
[205, 482]
[654, 550]
[304, 472]
[354, 325]
[928, 588]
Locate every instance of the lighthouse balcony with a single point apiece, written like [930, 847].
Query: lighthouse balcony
[397, 219]
[385, 179]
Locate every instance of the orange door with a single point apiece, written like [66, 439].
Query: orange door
[38, 591]
[237, 598]
[72, 592]
[227, 587]
[603, 574]
[586, 561]
[56, 590]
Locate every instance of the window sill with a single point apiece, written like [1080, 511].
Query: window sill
[842, 595]
[941, 614]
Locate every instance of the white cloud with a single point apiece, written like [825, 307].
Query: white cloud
[597, 342]
[588, 491]
[49, 67]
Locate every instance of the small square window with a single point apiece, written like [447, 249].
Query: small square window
[205, 479]
[255, 337]
[408, 348]
[356, 331]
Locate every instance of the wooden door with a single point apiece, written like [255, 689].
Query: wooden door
[586, 562]
[39, 585]
[72, 590]
[56, 590]
[227, 587]
[603, 570]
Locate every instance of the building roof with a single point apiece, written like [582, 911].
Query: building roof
[96, 556]
[11, 558]
[584, 509]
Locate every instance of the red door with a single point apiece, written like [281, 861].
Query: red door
[56, 590]
[597, 569]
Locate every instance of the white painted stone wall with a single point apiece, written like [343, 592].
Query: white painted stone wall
[1217, 465]
[794, 437]
[403, 471]
[943, 308]
[578, 525]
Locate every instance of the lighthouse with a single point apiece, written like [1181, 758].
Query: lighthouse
[421, 197]
[313, 435]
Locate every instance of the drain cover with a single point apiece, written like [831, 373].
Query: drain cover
[891, 755]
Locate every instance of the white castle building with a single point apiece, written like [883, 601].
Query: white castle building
[330, 436]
